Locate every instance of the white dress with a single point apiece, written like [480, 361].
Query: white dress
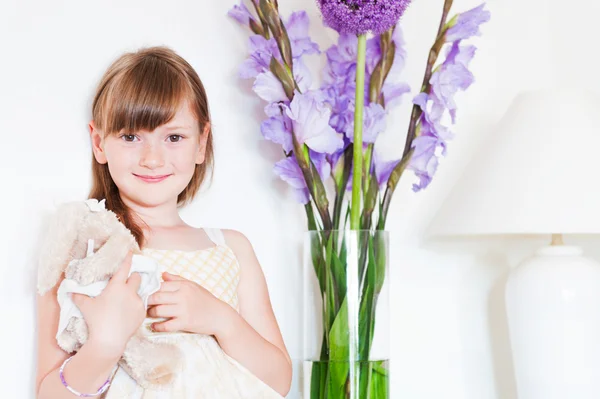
[207, 371]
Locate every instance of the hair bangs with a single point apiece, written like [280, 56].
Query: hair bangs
[144, 97]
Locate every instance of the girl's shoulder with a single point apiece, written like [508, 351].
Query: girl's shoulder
[238, 243]
[226, 237]
[232, 238]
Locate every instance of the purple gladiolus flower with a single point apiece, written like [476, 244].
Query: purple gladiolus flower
[431, 141]
[383, 169]
[447, 81]
[261, 52]
[361, 16]
[289, 171]
[278, 129]
[297, 30]
[310, 121]
[241, 14]
[341, 60]
[433, 111]
[461, 55]
[467, 24]
[392, 92]
[424, 161]
[269, 88]
[452, 76]
[302, 75]
[373, 123]
[340, 81]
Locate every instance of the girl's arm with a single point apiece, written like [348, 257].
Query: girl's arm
[253, 337]
[112, 318]
[86, 372]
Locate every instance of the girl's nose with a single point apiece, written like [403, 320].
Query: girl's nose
[152, 156]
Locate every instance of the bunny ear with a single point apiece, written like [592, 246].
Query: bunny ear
[57, 244]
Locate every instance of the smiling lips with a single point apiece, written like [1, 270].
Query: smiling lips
[151, 179]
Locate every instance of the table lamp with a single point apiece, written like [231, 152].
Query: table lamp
[539, 175]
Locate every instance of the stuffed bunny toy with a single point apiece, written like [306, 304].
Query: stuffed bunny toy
[88, 243]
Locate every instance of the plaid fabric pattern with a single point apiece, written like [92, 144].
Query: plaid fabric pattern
[215, 269]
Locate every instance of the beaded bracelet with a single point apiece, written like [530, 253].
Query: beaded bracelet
[102, 389]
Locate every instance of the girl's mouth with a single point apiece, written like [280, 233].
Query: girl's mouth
[151, 179]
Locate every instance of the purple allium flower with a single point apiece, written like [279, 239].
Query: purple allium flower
[361, 16]
[466, 24]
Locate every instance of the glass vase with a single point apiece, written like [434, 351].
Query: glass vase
[346, 314]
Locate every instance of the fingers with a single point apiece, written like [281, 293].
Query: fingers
[134, 281]
[163, 298]
[123, 272]
[173, 277]
[166, 311]
[170, 286]
[167, 326]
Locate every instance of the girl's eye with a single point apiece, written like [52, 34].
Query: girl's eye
[175, 138]
[128, 137]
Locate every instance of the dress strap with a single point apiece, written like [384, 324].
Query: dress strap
[216, 236]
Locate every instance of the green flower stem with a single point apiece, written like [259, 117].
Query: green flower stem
[358, 126]
[341, 188]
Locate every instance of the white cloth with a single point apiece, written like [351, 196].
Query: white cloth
[95, 205]
[149, 269]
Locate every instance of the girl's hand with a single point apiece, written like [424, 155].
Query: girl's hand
[113, 316]
[188, 307]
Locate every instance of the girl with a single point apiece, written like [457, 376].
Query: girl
[152, 146]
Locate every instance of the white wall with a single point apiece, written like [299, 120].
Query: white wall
[448, 327]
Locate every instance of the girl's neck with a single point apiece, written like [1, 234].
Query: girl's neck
[165, 215]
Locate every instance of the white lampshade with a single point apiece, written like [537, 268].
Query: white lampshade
[538, 174]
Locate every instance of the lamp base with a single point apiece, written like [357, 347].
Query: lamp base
[553, 309]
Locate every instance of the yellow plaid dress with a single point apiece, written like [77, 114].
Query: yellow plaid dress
[207, 372]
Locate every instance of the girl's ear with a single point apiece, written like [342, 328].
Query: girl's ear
[97, 143]
[202, 148]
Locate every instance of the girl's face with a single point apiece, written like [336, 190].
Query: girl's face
[152, 168]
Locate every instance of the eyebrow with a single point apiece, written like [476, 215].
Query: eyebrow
[178, 127]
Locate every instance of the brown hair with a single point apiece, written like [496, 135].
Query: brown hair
[142, 90]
